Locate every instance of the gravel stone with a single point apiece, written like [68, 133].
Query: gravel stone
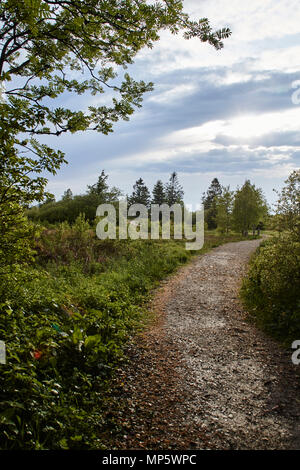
[202, 376]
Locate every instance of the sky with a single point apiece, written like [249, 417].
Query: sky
[233, 114]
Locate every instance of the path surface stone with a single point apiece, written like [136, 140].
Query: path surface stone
[202, 377]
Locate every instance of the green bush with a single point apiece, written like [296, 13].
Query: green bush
[59, 357]
[66, 210]
[65, 328]
[66, 320]
[271, 290]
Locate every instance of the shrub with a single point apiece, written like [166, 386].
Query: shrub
[271, 290]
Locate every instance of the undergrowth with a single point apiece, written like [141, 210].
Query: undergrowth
[271, 290]
[65, 320]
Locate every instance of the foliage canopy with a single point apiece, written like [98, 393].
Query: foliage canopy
[249, 207]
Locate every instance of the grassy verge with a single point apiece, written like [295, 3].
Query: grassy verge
[65, 322]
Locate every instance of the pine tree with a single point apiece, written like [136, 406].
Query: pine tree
[102, 191]
[158, 193]
[101, 187]
[209, 202]
[140, 194]
[68, 195]
[215, 189]
[173, 190]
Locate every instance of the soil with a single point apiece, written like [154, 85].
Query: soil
[202, 376]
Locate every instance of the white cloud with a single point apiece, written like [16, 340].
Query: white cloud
[242, 126]
[236, 147]
[173, 93]
[196, 146]
[250, 20]
[285, 60]
[251, 24]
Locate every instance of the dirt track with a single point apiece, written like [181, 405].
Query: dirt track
[202, 377]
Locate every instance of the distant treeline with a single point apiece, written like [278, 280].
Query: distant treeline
[241, 210]
[71, 206]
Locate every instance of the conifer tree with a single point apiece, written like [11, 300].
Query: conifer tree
[140, 194]
[68, 195]
[158, 193]
[174, 191]
[215, 189]
[209, 202]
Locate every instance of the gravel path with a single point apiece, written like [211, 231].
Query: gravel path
[202, 377]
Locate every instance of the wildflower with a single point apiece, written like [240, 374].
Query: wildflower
[37, 355]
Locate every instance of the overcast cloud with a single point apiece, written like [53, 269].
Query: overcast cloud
[226, 114]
